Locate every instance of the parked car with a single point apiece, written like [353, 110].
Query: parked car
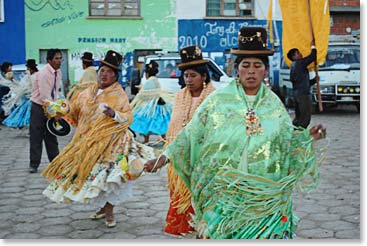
[339, 77]
[169, 74]
[19, 71]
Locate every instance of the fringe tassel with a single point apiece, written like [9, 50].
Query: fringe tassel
[181, 194]
[79, 157]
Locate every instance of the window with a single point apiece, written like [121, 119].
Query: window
[229, 8]
[114, 8]
[342, 57]
[2, 11]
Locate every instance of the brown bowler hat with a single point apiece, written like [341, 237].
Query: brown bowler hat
[252, 41]
[112, 60]
[191, 56]
[88, 57]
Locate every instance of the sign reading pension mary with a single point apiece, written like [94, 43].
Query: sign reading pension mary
[212, 35]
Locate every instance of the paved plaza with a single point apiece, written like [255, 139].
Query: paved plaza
[330, 212]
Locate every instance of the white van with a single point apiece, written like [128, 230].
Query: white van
[169, 80]
[339, 76]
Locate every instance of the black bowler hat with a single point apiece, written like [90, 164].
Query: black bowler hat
[31, 63]
[112, 60]
[191, 56]
[88, 57]
[58, 128]
[252, 41]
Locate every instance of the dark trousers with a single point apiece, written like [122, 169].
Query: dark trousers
[38, 133]
[303, 107]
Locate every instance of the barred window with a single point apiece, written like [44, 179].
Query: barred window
[114, 8]
[229, 8]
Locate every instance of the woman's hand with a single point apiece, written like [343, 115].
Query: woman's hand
[151, 167]
[108, 111]
[318, 132]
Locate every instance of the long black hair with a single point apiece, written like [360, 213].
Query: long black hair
[5, 66]
[151, 68]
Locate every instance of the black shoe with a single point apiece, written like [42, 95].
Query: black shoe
[32, 169]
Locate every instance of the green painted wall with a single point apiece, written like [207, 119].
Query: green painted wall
[64, 24]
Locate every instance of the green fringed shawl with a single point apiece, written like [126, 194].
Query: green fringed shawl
[241, 186]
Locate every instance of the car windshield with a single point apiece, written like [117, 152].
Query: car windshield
[18, 74]
[342, 57]
[168, 68]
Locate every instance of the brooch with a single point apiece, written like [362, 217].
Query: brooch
[253, 125]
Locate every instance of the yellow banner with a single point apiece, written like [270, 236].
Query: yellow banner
[296, 27]
[270, 23]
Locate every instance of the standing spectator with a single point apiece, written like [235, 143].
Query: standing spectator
[45, 87]
[88, 78]
[301, 85]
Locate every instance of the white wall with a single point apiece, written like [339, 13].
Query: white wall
[191, 9]
[196, 9]
[262, 7]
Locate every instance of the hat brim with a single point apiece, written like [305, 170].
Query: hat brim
[31, 65]
[192, 63]
[110, 65]
[252, 52]
[62, 129]
[87, 60]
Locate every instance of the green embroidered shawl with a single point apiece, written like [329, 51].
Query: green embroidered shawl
[241, 186]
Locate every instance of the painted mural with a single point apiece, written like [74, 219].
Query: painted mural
[217, 37]
[66, 24]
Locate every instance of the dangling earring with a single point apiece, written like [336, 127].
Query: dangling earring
[237, 79]
[204, 85]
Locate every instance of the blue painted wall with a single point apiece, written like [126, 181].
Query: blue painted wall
[217, 37]
[12, 32]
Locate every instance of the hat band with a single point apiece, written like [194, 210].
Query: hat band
[252, 52]
[111, 65]
[192, 63]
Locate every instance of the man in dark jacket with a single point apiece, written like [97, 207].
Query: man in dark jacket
[301, 85]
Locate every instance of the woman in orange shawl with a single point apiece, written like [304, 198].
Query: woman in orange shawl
[96, 166]
[186, 101]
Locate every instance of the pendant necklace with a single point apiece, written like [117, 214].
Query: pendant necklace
[253, 125]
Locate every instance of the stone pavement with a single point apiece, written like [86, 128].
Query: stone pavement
[330, 212]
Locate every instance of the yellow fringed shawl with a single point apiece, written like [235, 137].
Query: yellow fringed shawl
[183, 107]
[97, 139]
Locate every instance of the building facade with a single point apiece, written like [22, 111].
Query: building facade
[130, 27]
[139, 27]
[345, 17]
[12, 31]
[214, 25]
